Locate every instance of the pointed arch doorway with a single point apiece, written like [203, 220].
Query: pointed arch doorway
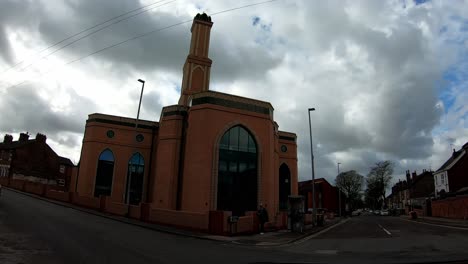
[104, 174]
[237, 172]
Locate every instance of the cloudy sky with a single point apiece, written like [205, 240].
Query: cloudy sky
[389, 79]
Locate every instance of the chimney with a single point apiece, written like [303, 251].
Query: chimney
[196, 71]
[24, 137]
[41, 138]
[408, 176]
[414, 176]
[8, 138]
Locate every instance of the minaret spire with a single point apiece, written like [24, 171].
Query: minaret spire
[196, 76]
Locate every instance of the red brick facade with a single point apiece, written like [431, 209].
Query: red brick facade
[326, 195]
[452, 207]
[208, 141]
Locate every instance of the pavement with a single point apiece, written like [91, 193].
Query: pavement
[455, 223]
[37, 231]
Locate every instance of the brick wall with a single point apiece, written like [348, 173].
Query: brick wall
[17, 184]
[85, 201]
[453, 207]
[115, 208]
[135, 211]
[245, 224]
[35, 188]
[192, 220]
[58, 195]
[4, 181]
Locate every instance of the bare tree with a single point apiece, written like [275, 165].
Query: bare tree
[378, 179]
[350, 183]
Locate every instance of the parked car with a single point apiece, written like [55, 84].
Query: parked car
[377, 212]
[356, 213]
[384, 213]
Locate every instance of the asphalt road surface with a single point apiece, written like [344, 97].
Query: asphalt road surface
[36, 231]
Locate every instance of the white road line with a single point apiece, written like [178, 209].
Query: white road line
[386, 231]
[320, 232]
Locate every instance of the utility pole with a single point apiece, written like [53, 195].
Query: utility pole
[129, 182]
[339, 192]
[314, 213]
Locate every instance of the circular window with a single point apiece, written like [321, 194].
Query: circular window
[284, 148]
[110, 133]
[140, 138]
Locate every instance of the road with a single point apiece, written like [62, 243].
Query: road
[36, 231]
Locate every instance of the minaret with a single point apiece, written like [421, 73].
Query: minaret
[196, 77]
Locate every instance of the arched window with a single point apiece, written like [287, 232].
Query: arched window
[284, 186]
[105, 173]
[136, 169]
[237, 172]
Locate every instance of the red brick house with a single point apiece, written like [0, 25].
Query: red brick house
[326, 195]
[422, 185]
[33, 160]
[453, 174]
[399, 198]
[413, 192]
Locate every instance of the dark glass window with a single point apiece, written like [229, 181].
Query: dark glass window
[136, 169]
[284, 186]
[105, 173]
[237, 172]
[139, 138]
[110, 134]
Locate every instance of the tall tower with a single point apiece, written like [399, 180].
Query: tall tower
[196, 77]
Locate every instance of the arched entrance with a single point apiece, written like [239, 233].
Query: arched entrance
[105, 173]
[135, 174]
[237, 172]
[284, 186]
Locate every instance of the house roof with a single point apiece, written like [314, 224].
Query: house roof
[456, 156]
[16, 144]
[65, 161]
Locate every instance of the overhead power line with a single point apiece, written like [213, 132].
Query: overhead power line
[93, 32]
[88, 29]
[140, 36]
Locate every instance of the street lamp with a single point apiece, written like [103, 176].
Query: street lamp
[339, 191]
[313, 169]
[136, 132]
[139, 105]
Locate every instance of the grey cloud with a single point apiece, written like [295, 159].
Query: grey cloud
[69, 141]
[165, 50]
[23, 110]
[151, 106]
[5, 49]
[14, 15]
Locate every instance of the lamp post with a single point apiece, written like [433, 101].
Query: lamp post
[339, 191]
[136, 132]
[313, 169]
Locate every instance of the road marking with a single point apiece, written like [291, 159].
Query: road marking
[320, 232]
[326, 251]
[386, 231]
